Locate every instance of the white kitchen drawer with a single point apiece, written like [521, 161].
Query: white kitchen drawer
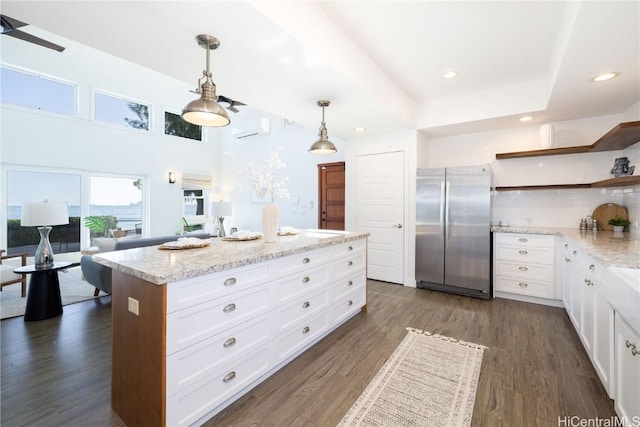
[186, 407]
[524, 240]
[301, 283]
[189, 292]
[299, 262]
[191, 325]
[529, 254]
[524, 287]
[186, 367]
[343, 286]
[301, 334]
[348, 265]
[537, 272]
[349, 248]
[348, 305]
[302, 308]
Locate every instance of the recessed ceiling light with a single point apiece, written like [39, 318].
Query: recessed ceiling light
[359, 129]
[604, 77]
[449, 75]
[525, 118]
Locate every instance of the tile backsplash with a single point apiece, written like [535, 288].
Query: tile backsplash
[562, 208]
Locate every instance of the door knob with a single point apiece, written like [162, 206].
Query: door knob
[397, 226]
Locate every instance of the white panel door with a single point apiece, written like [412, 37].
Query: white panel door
[379, 210]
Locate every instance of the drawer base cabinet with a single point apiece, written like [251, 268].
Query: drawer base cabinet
[197, 345]
[627, 399]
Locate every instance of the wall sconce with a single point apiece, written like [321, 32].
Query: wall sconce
[172, 177]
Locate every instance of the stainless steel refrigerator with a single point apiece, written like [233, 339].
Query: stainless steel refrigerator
[453, 235]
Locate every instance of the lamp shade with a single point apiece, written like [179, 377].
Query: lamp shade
[220, 209]
[205, 112]
[44, 213]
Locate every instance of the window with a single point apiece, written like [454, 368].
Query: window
[176, 126]
[115, 206]
[28, 186]
[121, 112]
[38, 92]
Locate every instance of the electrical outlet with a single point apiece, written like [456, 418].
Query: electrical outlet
[134, 306]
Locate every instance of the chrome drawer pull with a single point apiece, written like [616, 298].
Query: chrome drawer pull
[350, 248]
[306, 261]
[350, 263]
[566, 245]
[588, 282]
[523, 240]
[231, 375]
[567, 260]
[306, 279]
[592, 267]
[634, 351]
[523, 285]
[229, 308]
[306, 304]
[306, 330]
[350, 303]
[350, 283]
[575, 253]
[229, 343]
[230, 281]
[523, 252]
[522, 268]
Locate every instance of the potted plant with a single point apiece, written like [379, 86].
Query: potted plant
[619, 223]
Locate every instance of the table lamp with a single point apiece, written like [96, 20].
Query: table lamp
[220, 210]
[44, 215]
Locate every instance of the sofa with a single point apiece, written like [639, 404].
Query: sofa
[99, 275]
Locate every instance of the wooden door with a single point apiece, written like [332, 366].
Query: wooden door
[379, 211]
[331, 196]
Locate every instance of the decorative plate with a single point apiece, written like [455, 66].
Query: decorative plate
[240, 239]
[185, 243]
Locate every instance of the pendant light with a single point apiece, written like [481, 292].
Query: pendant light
[206, 111]
[323, 145]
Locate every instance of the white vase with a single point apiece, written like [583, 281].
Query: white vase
[270, 222]
[618, 228]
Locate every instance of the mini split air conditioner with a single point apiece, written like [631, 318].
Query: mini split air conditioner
[253, 127]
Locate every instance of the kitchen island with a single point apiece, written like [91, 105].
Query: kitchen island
[195, 329]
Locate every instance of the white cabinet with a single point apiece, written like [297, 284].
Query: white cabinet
[627, 353]
[524, 265]
[229, 330]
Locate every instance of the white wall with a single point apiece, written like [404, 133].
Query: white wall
[546, 208]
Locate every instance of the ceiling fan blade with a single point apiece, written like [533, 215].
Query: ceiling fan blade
[33, 39]
[232, 108]
[232, 103]
[9, 24]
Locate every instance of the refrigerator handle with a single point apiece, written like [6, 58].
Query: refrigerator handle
[442, 199]
[446, 209]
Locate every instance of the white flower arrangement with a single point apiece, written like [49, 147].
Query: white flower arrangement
[264, 185]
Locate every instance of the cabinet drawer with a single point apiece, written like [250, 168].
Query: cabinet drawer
[301, 334]
[189, 326]
[299, 284]
[304, 307]
[532, 254]
[187, 406]
[537, 272]
[348, 248]
[303, 261]
[200, 360]
[348, 284]
[348, 305]
[524, 287]
[347, 265]
[186, 293]
[524, 240]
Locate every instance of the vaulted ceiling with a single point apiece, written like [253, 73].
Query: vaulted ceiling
[379, 62]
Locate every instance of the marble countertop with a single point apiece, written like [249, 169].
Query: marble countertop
[163, 266]
[613, 250]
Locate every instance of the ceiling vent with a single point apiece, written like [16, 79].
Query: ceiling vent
[253, 127]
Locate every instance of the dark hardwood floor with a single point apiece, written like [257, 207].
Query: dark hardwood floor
[57, 372]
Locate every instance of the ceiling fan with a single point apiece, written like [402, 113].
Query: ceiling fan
[232, 103]
[10, 28]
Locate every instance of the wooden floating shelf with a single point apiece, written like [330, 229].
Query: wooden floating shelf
[620, 137]
[612, 182]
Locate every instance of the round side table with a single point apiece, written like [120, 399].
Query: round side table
[43, 299]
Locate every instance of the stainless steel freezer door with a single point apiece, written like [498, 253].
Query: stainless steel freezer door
[430, 185]
[467, 222]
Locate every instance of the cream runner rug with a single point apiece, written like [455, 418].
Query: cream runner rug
[429, 380]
